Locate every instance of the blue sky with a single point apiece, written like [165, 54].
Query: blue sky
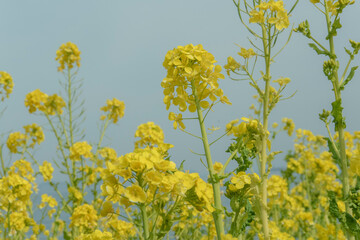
[123, 44]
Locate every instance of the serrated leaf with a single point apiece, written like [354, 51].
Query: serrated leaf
[350, 76]
[353, 226]
[318, 50]
[332, 150]
[336, 112]
[334, 27]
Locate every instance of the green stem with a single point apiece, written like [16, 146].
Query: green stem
[145, 221]
[61, 147]
[218, 213]
[263, 154]
[340, 128]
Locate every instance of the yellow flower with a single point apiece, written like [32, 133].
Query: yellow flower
[281, 20]
[314, 1]
[49, 200]
[191, 71]
[75, 194]
[231, 65]
[80, 149]
[54, 104]
[135, 194]
[6, 83]
[15, 140]
[106, 209]
[218, 166]
[177, 118]
[35, 132]
[247, 53]
[239, 181]
[289, 125]
[282, 81]
[46, 171]
[115, 109]
[84, 216]
[35, 100]
[68, 55]
[256, 16]
[97, 235]
[150, 134]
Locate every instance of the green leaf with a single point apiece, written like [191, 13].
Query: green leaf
[319, 51]
[349, 77]
[353, 226]
[332, 151]
[336, 112]
[334, 27]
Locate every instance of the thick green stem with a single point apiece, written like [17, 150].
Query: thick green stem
[145, 221]
[340, 127]
[218, 213]
[263, 154]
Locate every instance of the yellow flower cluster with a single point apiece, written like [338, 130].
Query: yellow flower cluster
[67, 55]
[273, 12]
[121, 230]
[18, 139]
[46, 171]
[84, 217]
[50, 105]
[239, 181]
[6, 85]
[191, 76]
[15, 140]
[36, 134]
[151, 135]
[250, 130]
[96, 235]
[289, 125]
[80, 149]
[47, 200]
[115, 109]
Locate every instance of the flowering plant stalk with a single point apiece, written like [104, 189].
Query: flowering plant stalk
[191, 81]
[332, 11]
[272, 19]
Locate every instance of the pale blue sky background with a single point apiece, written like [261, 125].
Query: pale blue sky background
[123, 44]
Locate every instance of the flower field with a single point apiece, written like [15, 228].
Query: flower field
[87, 190]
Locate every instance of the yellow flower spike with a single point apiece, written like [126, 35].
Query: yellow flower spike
[34, 132]
[80, 149]
[35, 100]
[15, 140]
[46, 171]
[150, 134]
[67, 55]
[54, 104]
[84, 216]
[190, 66]
[6, 84]
[114, 108]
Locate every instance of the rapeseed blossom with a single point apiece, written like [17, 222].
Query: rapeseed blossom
[68, 55]
[84, 217]
[272, 12]
[80, 149]
[114, 108]
[6, 85]
[46, 171]
[191, 76]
